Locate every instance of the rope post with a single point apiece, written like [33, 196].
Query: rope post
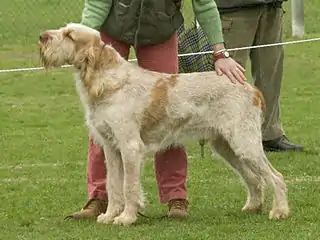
[202, 142]
[297, 18]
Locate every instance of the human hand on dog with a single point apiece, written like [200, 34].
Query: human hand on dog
[231, 68]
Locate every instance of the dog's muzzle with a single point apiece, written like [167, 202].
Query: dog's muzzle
[44, 37]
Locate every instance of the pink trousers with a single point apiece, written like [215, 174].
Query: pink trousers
[170, 166]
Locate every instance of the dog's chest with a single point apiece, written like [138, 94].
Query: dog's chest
[99, 127]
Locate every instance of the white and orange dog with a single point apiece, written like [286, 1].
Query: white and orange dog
[130, 111]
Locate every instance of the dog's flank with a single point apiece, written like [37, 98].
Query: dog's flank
[131, 111]
[156, 110]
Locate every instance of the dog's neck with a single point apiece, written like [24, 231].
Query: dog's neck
[93, 62]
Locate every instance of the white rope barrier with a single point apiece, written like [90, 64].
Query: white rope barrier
[180, 55]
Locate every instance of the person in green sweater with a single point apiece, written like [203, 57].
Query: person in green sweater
[150, 26]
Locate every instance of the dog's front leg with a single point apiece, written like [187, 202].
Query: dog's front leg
[132, 157]
[114, 185]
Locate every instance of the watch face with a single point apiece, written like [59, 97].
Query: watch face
[226, 54]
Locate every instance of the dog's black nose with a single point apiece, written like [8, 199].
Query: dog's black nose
[44, 37]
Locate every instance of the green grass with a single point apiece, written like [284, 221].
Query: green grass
[41, 122]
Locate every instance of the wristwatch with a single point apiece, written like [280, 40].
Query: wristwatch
[221, 54]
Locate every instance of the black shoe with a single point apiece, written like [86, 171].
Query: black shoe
[281, 144]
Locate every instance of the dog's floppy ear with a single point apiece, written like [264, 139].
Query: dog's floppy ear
[88, 51]
[86, 57]
[92, 52]
[91, 58]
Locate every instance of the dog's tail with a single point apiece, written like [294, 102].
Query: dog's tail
[259, 101]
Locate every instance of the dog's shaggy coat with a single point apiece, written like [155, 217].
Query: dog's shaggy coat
[130, 111]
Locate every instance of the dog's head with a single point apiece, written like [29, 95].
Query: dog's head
[73, 44]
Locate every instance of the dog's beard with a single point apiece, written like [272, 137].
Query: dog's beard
[43, 60]
[49, 58]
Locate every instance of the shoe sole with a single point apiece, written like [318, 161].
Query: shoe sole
[282, 150]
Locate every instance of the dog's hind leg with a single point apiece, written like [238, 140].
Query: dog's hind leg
[280, 208]
[251, 157]
[114, 185]
[254, 183]
[132, 157]
[259, 164]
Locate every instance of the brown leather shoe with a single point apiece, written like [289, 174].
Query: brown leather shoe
[178, 208]
[92, 209]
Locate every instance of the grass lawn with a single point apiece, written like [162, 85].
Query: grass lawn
[43, 145]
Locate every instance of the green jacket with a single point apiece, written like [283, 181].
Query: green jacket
[95, 13]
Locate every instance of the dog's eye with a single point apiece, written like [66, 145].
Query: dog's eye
[68, 35]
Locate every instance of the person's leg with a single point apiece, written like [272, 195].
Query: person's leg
[96, 170]
[267, 72]
[170, 165]
[239, 29]
[267, 69]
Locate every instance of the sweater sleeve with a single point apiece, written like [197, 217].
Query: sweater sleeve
[207, 14]
[95, 12]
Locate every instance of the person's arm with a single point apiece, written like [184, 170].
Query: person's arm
[207, 14]
[95, 12]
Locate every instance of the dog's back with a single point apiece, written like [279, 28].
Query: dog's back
[189, 106]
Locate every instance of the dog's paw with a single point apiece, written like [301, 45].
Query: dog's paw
[125, 219]
[105, 219]
[280, 213]
[112, 212]
[249, 208]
